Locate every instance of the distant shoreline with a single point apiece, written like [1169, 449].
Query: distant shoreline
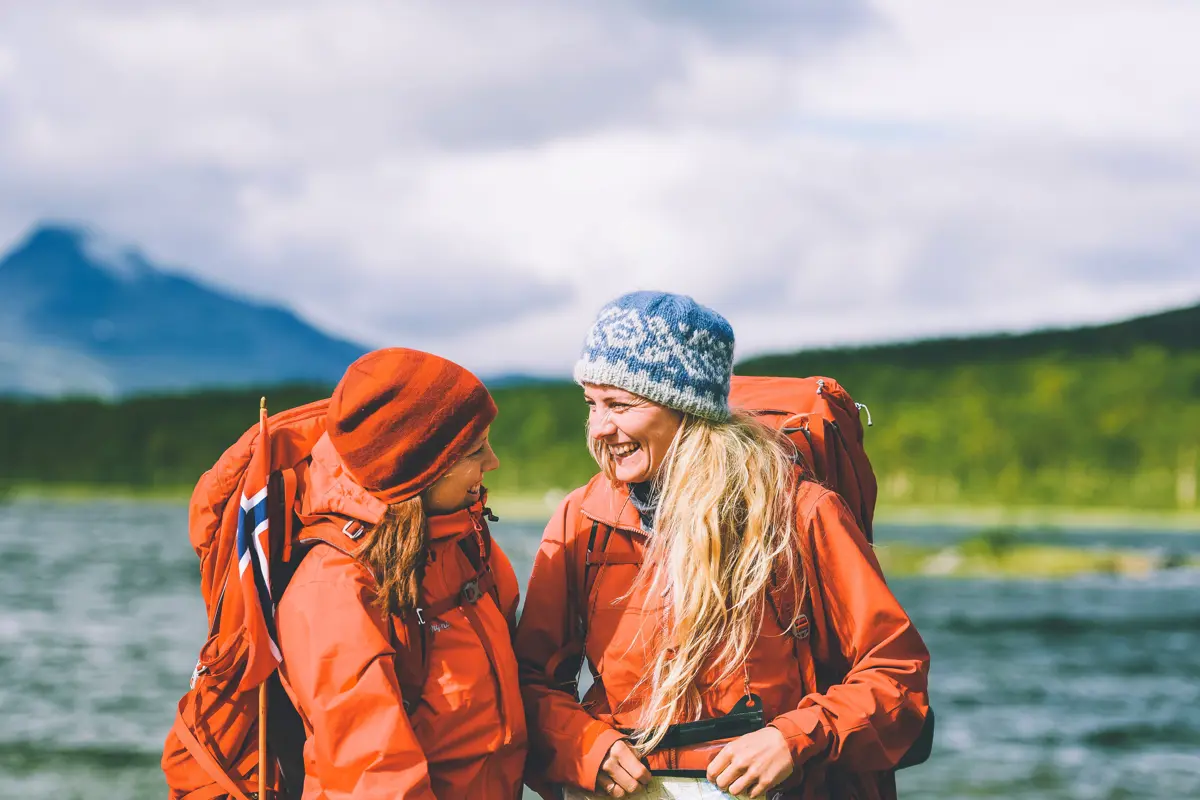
[1067, 518]
[534, 507]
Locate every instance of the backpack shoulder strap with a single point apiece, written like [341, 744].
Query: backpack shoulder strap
[795, 620]
[478, 550]
[563, 667]
[409, 636]
[596, 557]
[583, 589]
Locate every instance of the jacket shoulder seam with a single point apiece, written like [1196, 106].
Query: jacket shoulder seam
[810, 508]
[321, 565]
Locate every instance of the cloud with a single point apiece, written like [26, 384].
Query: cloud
[1095, 69]
[782, 24]
[479, 178]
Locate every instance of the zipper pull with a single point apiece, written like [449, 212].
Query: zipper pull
[863, 407]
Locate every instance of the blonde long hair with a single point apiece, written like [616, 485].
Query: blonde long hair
[725, 522]
[395, 551]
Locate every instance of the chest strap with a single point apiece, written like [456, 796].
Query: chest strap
[470, 593]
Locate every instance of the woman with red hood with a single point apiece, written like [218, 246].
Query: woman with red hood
[395, 628]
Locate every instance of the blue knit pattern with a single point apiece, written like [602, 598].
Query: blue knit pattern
[665, 347]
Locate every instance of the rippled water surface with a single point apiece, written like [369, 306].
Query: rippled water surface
[1087, 688]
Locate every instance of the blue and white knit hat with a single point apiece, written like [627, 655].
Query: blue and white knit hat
[665, 347]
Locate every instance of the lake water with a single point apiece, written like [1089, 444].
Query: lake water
[1087, 688]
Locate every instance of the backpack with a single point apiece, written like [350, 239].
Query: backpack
[822, 421]
[218, 743]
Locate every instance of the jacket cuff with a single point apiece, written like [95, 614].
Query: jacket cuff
[805, 735]
[604, 738]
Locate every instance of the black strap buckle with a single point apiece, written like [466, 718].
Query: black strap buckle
[745, 717]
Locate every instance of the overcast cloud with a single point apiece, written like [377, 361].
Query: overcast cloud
[476, 178]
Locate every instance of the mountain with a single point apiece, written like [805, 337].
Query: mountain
[79, 317]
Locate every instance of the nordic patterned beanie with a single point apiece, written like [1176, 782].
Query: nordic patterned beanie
[665, 347]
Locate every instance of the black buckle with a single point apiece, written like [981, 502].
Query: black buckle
[470, 592]
[745, 717]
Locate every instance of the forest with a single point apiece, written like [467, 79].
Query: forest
[1100, 417]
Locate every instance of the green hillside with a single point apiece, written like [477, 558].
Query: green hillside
[1103, 417]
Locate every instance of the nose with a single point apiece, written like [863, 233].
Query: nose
[600, 424]
[492, 461]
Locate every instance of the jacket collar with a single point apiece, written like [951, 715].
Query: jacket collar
[610, 505]
[443, 526]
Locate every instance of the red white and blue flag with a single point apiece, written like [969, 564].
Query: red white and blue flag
[254, 560]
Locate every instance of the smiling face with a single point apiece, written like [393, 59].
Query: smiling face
[634, 431]
[462, 485]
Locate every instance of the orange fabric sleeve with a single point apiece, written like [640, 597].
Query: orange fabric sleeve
[339, 656]
[868, 721]
[567, 743]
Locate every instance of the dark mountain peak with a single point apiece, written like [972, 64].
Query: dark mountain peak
[51, 237]
[60, 251]
[45, 246]
[70, 296]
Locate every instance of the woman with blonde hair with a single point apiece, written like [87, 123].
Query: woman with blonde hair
[663, 573]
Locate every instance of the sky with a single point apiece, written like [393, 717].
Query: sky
[478, 178]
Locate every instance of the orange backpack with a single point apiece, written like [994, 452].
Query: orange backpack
[212, 750]
[215, 746]
[822, 421]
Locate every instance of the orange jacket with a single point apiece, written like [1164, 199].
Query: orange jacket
[467, 737]
[845, 738]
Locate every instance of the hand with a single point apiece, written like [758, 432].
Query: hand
[752, 763]
[621, 771]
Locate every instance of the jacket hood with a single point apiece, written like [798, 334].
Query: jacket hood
[331, 490]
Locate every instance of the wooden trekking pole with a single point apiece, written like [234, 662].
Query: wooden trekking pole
[262, 741]
[263, 762]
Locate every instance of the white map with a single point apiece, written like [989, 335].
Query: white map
[664, 789]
